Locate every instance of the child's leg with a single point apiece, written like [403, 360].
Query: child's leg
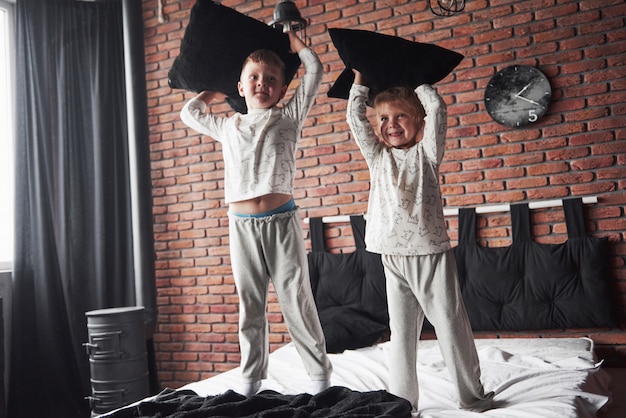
[288, 266]
[405, 321]
[440, 297]
[252, 282]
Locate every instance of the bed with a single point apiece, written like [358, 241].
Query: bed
[553, 377]
[532, 377]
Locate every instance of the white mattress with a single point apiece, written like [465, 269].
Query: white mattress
[551, 377]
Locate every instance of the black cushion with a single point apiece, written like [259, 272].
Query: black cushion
[388, 61]
[355, 280]
[348, 329]
[349, 291]
[216, 42]
[528, 285]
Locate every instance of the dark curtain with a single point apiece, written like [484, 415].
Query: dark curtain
[74, 231]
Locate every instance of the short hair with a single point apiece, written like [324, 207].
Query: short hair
[394, 95]
[267, 57]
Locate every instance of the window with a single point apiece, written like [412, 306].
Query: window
[7, 138]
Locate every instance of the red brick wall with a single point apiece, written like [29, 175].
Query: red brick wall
[577, 149]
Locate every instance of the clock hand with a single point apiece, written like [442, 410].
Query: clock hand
[528, 100]
[522, 90]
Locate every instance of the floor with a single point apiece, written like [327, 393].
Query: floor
[618, 386]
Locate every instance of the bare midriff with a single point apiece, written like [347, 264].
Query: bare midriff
[260, 204]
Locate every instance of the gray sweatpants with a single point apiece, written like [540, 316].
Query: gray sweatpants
[273, 247]
[428, 285]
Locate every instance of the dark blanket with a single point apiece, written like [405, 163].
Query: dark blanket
[335, 401]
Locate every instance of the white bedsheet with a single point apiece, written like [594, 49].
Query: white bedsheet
[552, 377]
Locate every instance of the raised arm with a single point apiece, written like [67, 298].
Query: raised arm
[304, 95]
[359, 79]
[194, 114]
[356, 116]
[210, 96]
[295, 43]
[436, 122]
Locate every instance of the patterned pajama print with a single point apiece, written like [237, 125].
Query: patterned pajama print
[406, 225]
[259, 150]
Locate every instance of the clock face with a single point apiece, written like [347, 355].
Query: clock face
[517, 96]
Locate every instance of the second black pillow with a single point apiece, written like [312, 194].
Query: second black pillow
[388, 61]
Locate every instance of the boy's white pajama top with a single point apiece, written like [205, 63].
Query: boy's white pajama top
[405, 224]
[259, 150]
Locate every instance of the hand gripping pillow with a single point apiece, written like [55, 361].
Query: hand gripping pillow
[216, 42]
[388, 61]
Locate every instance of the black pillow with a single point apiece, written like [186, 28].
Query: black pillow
[529, 285]
[349, 291]
[348, 329]
[217, 40]
[388, 61]
[355, 280]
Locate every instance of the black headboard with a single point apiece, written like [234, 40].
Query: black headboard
[525, 286]
[528, 285]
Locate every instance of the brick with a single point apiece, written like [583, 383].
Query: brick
[611, 173]
[505, 173]
[493, 35]
[592, 189]
[452, 190]
[464, 200]
[488, 165]
[357, 10]
[583, 41]
[335, 159]
[548, 168]
[502, 150]
[571, 178]
[336, 179]
[449, 167]
[484, 187]
[461, 154]
[463, 178]
[611, 148]
[527, 135]
[567, 154]
[605, 124]
[526, 183]
[591, 163]
[504, 197]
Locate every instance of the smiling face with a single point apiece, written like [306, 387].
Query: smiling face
[400, 117]
[262, 84]
[398, 124]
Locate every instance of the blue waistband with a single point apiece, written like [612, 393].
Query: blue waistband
[289, 206]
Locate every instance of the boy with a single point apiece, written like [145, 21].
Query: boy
[406, 225]
[266, 239]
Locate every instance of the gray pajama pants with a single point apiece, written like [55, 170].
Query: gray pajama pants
[273, 247]
[428, 285]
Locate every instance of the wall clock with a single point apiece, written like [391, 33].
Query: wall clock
[517, 96]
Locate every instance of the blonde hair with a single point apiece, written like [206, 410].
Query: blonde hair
[267, 57]
[395, 95]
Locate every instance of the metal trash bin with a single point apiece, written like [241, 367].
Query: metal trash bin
[118, 359]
